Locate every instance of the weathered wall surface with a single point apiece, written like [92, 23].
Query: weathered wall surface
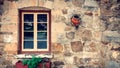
[96, 43]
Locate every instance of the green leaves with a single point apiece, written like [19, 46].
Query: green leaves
[32, 63]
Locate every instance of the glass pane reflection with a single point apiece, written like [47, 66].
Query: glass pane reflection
[42, 35]
[42, 17]
[42, 26]
[28, 44]
[42, 44]
[28, 26]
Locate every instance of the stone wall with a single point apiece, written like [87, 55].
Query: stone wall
[95, 44]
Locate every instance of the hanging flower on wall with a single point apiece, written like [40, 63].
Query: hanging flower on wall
[76, 20]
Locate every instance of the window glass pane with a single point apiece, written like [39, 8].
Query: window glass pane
[28, 35]
[28, 26]
[42, 35]
[42, 17]
[42, 44]
[28, 45]
[28, 18]
[42, 26]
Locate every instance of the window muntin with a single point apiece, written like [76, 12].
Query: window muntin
[35, 31]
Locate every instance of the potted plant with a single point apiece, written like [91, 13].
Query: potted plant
[34, 62]
[29, 63]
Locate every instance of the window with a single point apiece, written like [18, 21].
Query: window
[35, 30]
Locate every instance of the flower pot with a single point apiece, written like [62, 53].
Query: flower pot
[20, 65]
[75, 20]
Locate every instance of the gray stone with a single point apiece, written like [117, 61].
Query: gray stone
[58, 63]
[118, 30]
[0, 20]
[51, 0]
[91, 3]
[67, 53]
[76, 46]
[67, 0]
[78, 3]
[2, 60]
[70, 35]
[10, 66]
[89, 66]
[113, 26]
[112, 64]
[81, 67]
[111, 36]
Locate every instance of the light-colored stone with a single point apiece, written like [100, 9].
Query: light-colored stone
[87, 21]
[49, 4]
[97, 35]
[92, 47]
[90, 55]
[90, 3]
[87, 35]
[8, 38]
[69, 59]
[70, 66]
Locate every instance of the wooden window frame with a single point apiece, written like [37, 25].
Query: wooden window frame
[21, 11]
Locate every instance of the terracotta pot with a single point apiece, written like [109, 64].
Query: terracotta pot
[75, 20]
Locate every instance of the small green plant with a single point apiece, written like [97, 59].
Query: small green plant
[32, 63]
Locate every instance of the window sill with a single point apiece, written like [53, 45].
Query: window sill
[22, 56]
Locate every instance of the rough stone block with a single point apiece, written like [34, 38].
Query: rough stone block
[87, 35]
[67, 53]
[68, 28]
[0, 18]
[90, 55]
[112, 64]
[76, 46]
[106, 12]
[91, 3]
[57, 48]
[78, 3]
[64, 11]
[91, 47]
[97, 35]
[87, 21]
[51, 0]
[111, 36]
[70, 35]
